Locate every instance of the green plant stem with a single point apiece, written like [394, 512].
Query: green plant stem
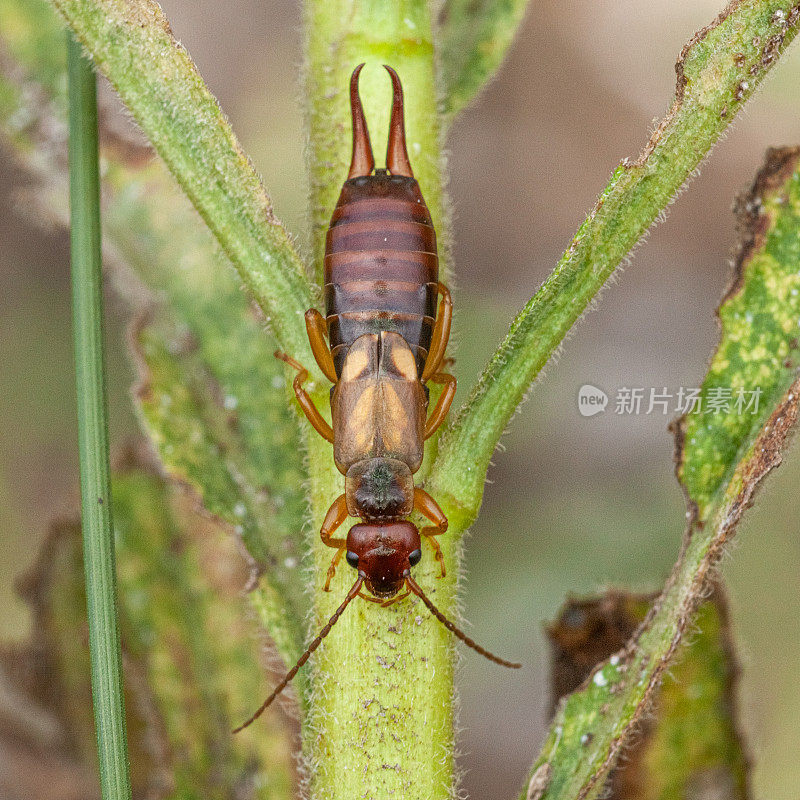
[98, 536]
[718, 70]
[381, 715]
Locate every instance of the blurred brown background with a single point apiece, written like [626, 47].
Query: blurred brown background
[574, 503]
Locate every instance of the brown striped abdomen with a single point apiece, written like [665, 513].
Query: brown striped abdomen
[381, 267]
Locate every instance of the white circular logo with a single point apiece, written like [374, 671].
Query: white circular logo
[591, 400]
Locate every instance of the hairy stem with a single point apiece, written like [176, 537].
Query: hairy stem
[381, 717]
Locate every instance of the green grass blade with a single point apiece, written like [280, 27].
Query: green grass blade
[98, 539]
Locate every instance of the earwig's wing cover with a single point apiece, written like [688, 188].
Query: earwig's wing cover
[396, 153]
[363, 161]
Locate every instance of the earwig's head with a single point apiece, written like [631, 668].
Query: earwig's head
[383, 553]
[379, 489]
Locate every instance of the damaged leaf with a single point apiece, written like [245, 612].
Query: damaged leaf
[759, 312]
[758, 355]
[189, 656]
[689, 744]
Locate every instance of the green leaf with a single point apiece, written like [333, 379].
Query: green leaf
[131, 43]
[689, 743]
[212, 395]
[474, 38]
[759, 305]
[186, 625]
[718, 71]
[201, 445]
[189, 652]
[758, 355]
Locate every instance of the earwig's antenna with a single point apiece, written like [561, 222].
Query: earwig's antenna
[396, 153]
[303, 658]
[363, 161]
[412, 584]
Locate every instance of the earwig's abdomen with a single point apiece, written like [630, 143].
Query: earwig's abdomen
[381, 267]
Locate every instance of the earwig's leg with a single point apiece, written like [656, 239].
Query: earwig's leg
[336, 515]
[429, 508]
[317, 333]
[396, 599]
[306, 403]
[332, 567]
[437, 550]
[441, 334]
[443, 404]
[371, 599]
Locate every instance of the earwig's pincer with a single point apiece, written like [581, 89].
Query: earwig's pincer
[383, 337]
[363, 162]
[396, 152]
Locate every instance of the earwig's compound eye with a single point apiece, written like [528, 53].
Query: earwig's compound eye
[414, 556]
[352, 559]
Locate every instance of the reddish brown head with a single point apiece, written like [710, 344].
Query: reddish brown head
[383, 553]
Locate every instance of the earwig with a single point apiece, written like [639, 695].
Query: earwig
[381, 341]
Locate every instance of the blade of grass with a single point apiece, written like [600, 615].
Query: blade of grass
[98, 540]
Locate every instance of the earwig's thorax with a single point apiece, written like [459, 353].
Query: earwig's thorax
[379, 489]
